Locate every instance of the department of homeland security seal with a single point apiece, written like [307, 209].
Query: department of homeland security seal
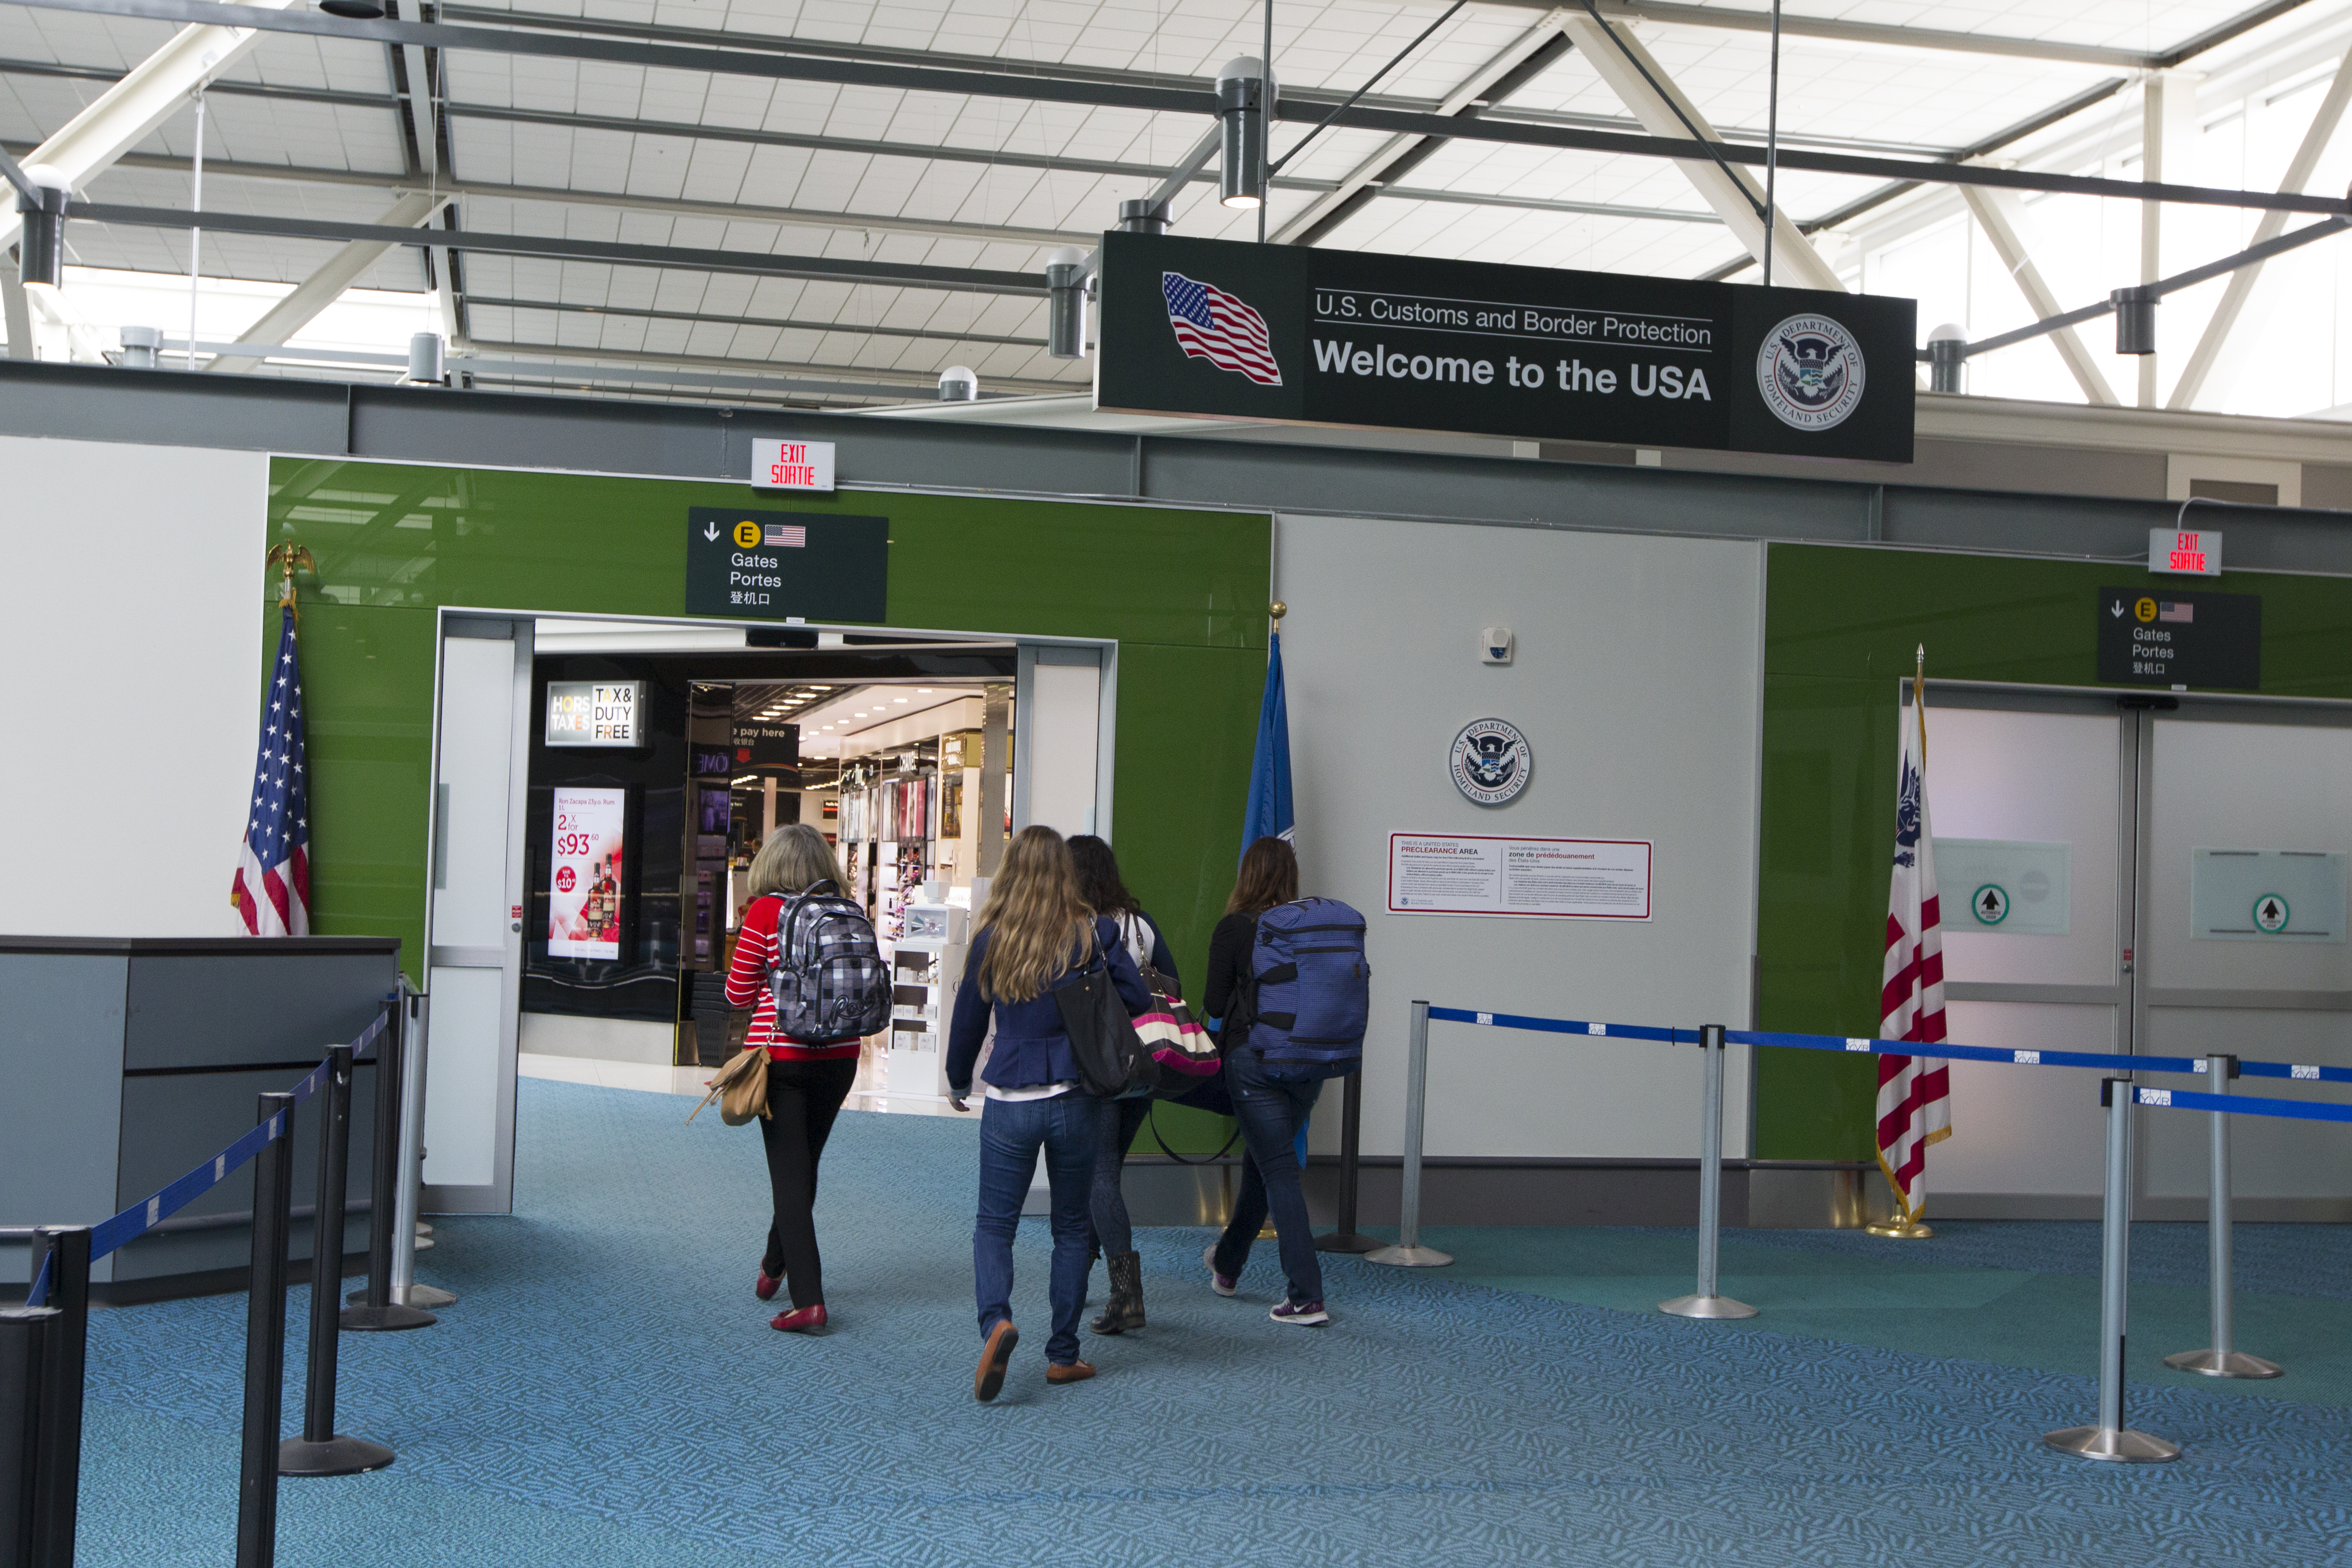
[1809, 371]
[1491, 762]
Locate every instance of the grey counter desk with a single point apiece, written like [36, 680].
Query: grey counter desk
[126, 1061]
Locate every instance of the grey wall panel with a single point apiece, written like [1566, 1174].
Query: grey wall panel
[208, 1010]
[171, 408]
[60, 1061]
[1416, 484]
[175, 1120]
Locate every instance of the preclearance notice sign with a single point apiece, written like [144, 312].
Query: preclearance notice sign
[2158, 636]
[775, 566]
[584, 904]
[1301, 335]
[1476, 874]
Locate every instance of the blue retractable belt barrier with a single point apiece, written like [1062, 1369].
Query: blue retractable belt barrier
[1946, 1050]
[2295, 1070]
[2243, 1104]
[1567, 1025]
[141, 1217]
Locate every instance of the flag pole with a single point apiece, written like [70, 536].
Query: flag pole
[1905, 1225]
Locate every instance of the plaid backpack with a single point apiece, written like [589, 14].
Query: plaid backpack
[827, 977]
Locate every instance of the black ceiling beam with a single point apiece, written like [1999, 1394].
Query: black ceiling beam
[781, 323]
[1412, 157]
[813, 269]
[1014, 85]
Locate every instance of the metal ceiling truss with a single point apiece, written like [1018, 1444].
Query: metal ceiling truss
[781, 323]
[754, 263]
[1014, 84]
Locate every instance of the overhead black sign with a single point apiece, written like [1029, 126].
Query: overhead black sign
[1348, 337]
[2160, 638]
[771, 565]
[765, 745]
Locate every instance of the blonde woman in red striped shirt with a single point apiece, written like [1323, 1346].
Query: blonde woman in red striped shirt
[807, 1080]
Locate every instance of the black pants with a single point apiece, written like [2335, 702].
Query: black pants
[804, 1097]
[1117, 1122]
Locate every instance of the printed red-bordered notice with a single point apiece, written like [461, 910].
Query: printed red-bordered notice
[1621, 878]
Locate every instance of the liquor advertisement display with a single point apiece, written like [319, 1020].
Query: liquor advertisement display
[584, 884]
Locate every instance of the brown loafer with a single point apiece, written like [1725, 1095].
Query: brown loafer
[1076, 1372]
[988, 1381]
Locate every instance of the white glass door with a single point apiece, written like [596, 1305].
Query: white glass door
[473, 930]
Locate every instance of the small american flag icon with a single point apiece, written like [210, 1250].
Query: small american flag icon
[786, 536]
[2167, 610]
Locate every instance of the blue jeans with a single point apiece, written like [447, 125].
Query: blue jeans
[1272, 1113]
[1011, 1132]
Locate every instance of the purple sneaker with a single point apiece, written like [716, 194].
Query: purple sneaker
[1306, 1314]
[1222, 1284]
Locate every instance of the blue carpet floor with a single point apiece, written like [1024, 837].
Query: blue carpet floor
[607, 1392]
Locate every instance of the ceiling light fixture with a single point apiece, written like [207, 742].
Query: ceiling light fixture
[1241, 114]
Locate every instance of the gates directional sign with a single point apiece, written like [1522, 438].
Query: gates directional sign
[772, 565]
[1297, 335]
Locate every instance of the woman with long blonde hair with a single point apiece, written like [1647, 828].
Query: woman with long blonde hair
[807, 1080]
[1033, 932]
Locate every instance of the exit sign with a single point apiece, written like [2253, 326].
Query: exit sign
[789, 465]
[2184, 552]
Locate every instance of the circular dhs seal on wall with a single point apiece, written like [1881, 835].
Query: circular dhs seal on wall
[1811, 373]
[1491, 762]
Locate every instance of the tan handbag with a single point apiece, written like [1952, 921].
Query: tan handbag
[740, 1088]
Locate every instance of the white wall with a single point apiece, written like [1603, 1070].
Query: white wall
[1637, 683]
[131, 593]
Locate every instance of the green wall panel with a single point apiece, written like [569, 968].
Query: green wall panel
[1183, 591]
[1841, 626]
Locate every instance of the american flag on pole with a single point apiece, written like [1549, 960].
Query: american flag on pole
[1914, 1095]
[272, 887]
[1214, 326]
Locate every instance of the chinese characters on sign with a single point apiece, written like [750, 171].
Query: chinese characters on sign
[583, 905]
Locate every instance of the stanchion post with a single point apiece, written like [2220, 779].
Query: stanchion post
[318, 1451]
[58, 1499]
[416, 1064]
[2111, 1440]
[1409, 1253]
[1351, 1131]
[264, 1338]
[24, 1334]
[2223, 1359]
[1707, 1301]
[375, 1310]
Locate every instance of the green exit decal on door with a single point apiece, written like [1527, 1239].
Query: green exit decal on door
[2005, 887]
[2266, 895]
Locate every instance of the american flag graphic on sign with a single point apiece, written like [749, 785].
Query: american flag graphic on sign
[786, 536]
[2166, 610]
[1214, 326]
[272, 887]
[1915, 1095]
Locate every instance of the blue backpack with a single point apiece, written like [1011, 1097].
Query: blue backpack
[1311, 990]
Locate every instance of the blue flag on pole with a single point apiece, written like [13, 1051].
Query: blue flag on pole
[1268, 811]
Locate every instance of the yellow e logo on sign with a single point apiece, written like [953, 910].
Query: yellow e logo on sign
[747, 536]
[2145, 609]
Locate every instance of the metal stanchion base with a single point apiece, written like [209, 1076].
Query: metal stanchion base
[337, 1455]
[1345, 1241]
[2117, 1446]
[425, 1296]
[367, 1319]
[2223, 1363]
[1720, 1306]
[1409, 1256]
[1900, 1230]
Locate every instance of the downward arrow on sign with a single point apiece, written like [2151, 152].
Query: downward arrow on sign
[711, 532]
[2116, 610]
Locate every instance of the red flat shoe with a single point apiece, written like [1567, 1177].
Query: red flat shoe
[767, 1287]
[800, 1321]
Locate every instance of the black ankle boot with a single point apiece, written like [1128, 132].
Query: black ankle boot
[1125, 1311]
